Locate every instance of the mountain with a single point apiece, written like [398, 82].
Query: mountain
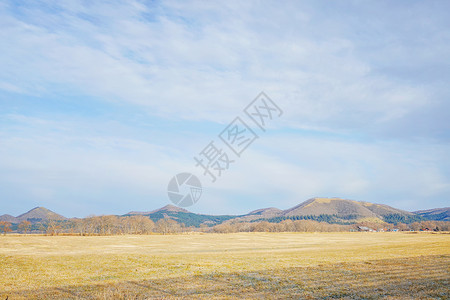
[39, 214]
[436, 214]
[263, 213]
[384, 210]
[266, 212]
[331, 210]
[330, 206]
[8, 218]
[343, 208]
[334, 210]
[169, 208]
[182, 215]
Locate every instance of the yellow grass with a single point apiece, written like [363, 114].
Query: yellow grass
[321, 200]
[241, 265]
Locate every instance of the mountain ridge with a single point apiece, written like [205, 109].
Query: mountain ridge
[334, 209]
[437, 214]
[37, 214]
[168, 207]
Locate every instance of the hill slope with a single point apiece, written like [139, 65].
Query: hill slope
[330, 206]
[182, 215]
[169, 208]
[336, 210]
[343, 210]
[39, 214]
[437, 214]
[8, 218]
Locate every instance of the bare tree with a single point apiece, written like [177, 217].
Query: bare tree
[25, 226]
[166, 226]
[91, 225]
[288, 225]
[224, 228]
[5, 227]
[108, 225]
[53, 227]
[143, 224]
[262, 226]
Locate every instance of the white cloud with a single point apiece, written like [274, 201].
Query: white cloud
[357, 78]
[193, 59]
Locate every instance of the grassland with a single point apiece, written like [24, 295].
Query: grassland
[242, 265]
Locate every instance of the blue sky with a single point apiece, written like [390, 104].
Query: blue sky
[101, 103]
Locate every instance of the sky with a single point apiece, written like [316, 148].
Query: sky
[103, 102]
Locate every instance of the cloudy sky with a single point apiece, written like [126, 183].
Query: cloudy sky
[103, 102]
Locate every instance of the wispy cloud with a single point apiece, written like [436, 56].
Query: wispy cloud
[90, 93]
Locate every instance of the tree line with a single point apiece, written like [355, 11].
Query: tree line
[114, 225]
[98, 225]
[290, 225]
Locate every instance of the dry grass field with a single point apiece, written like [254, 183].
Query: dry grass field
[241, 265]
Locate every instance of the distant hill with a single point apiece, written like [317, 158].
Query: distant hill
[39, 214]
[384, 210]
[330, 206]
[169, 207]
[333, 210]
[330, 210]
[182, 215]
[343, 208]
[436, 214]
[8, 218]
[266, 212]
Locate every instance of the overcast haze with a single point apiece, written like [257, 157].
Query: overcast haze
[102, 103]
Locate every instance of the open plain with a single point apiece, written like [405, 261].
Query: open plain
[240, 265]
